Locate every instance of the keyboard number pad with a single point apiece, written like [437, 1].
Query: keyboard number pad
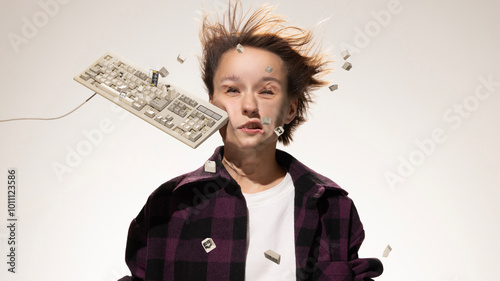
[179, 108]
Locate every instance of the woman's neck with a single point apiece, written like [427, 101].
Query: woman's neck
[253, 170]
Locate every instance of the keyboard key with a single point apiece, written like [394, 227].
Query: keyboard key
[159, 103]
[85, 76]
[138, 105]
[195, 136]
[150, 113]
[108, 89]
[169, 124]
[197, 127]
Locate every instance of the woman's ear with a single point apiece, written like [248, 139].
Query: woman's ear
[292, 110]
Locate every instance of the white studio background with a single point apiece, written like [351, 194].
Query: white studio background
[411, 132]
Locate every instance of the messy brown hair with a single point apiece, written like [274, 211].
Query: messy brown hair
[305, 64]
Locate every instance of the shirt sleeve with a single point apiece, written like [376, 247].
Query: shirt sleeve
[363, 268]
[136, 251]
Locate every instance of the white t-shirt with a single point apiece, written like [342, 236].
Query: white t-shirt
[271, 227]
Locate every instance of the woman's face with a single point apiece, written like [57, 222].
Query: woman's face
[250, 86]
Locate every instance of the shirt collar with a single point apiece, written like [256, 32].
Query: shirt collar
[306, 180]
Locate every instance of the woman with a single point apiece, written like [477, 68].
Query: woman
[260, 214]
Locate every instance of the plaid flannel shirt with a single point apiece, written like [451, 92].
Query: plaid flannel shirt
[165, 239]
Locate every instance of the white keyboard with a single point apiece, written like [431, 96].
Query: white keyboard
[170, 109]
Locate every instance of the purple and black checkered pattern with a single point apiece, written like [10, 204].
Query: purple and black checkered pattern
[164, 241]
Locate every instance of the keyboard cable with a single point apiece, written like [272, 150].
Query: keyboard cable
[50, 118]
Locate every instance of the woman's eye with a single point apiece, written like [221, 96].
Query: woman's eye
[232, 90]
[267, 92]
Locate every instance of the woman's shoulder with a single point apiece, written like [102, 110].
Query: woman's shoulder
[307, 180]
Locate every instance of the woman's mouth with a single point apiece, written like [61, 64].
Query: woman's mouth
[252, 127]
